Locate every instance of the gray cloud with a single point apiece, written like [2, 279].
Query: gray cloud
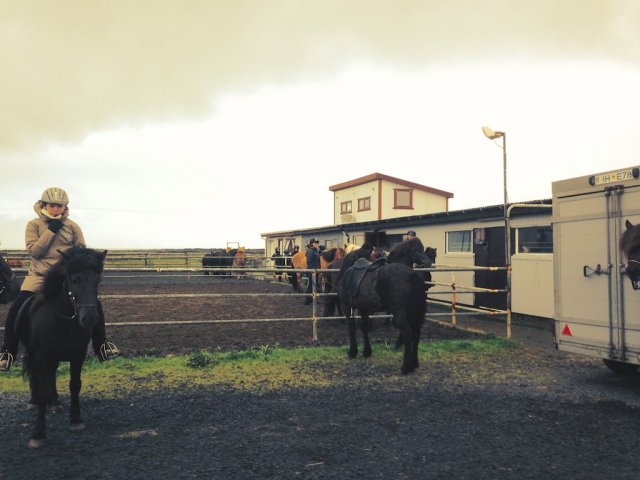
[72, 67]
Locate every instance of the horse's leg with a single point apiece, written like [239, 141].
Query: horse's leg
[366, 322]
[44, 381]
[75, 383]
[416, 341]
[351, 322]
[407, 335]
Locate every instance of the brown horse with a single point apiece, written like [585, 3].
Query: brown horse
[239, 260]
[327, 258]
[299, 260]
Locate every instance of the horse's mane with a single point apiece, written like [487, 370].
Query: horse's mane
[630, 240]
[73, 260]
[330, 255]
[406, 247]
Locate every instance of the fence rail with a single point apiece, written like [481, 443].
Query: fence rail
[451, 288]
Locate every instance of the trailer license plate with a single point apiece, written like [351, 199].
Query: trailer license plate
[612, 177]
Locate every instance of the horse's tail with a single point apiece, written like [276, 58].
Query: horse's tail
[418, 298]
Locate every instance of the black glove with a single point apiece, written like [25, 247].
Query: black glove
[55, 225]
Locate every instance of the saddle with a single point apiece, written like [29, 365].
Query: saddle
[355, 274]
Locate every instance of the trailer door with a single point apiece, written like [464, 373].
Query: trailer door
[596, 313]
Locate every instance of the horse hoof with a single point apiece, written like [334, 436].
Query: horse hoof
[36, 443]
[366, 354]
[352, 355]
[77, 427]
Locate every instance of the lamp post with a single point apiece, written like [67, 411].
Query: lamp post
[492, 134]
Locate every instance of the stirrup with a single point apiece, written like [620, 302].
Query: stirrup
[108, 351]
[6, 361]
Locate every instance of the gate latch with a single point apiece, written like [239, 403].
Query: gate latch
[587, 271]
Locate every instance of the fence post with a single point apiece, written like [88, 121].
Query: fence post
[454, 320]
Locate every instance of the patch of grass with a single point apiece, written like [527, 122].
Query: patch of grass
[267, 367]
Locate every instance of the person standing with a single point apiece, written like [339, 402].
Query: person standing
[46, 236]
[313, 262]
[293, 277]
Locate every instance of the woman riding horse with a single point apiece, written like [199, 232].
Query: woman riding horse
[47, 236]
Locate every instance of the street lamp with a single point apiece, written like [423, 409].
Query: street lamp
[492, 135]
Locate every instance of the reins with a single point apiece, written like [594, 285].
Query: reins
[74, 303]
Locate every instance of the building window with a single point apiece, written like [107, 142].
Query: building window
[345, 207]
[364, 204]
[459, 241]
[535, 239]
[402, 198]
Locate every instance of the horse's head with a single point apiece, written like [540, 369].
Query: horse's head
[6, 274]
[431, 252]
[630, 249]
[81, 272]
[410, 252]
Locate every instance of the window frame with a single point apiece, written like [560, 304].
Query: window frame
[396, 204]
[364, 200]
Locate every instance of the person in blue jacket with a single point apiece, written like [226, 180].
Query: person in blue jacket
[313, 262]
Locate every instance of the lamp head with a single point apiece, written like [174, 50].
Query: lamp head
[491, 133]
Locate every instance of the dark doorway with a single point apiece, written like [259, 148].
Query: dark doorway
[488, 250]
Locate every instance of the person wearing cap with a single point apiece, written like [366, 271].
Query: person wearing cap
[313, 261]
[46, 236]
[411, 235]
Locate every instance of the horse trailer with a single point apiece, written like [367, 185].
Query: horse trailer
[597, 311]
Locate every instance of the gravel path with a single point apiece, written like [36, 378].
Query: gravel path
[528, 413]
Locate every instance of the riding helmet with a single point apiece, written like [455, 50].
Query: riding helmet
[55, 195]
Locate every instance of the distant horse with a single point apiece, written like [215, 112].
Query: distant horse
[9, 283]
[213, 262]
[630, 250]
[57, 327]
[299, 260]
[15, 263]
[239, 260]
[350, 247]
[390, 285]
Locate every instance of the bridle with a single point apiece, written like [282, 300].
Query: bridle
[634, 283]
[74, 302]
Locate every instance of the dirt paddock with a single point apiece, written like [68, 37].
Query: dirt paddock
[528, 413]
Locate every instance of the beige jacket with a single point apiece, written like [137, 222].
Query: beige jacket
[43, 245]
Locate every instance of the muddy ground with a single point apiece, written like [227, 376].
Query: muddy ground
[529, 413]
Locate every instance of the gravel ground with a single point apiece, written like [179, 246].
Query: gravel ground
[531, 412]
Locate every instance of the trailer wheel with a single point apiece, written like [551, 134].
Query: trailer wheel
[621, 367]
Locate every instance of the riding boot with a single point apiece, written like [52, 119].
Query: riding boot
[103, 349]
[9, 350]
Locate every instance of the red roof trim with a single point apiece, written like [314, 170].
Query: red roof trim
[379, 176]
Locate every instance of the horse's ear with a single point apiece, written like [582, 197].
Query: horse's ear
[628, 224]
[103, 255]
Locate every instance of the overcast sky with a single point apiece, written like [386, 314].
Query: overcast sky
[197, 123]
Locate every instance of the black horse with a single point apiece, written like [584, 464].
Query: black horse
[9, 283]
[389, 286]
[213, 262]
[57, 326]
[630, 249]
[407, 253]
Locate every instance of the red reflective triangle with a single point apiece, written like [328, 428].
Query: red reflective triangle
[566, 330]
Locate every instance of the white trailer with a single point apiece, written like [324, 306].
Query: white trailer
[597, 312]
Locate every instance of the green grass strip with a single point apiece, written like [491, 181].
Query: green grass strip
[267, 367]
